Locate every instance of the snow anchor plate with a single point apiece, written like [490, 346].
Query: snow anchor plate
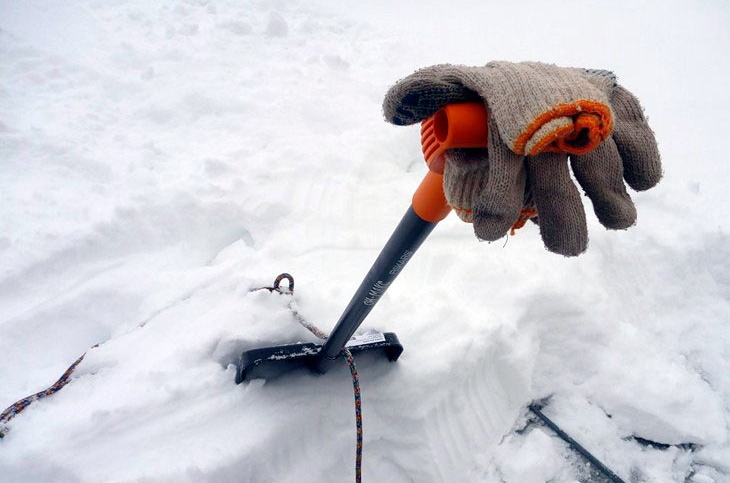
[271, 362]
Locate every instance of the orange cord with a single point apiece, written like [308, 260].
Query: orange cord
[525, 214]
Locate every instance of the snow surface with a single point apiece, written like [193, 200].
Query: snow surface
[158, 159]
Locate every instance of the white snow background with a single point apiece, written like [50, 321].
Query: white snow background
[159, 159]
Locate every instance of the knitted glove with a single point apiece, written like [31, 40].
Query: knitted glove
[538, 115]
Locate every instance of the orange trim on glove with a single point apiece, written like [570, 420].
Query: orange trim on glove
[592, 123]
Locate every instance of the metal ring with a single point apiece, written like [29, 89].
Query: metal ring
[281, 277]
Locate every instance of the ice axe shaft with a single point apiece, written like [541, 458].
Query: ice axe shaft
[454, 126]
[415, 226]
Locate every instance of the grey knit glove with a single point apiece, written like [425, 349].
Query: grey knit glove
[539, 114]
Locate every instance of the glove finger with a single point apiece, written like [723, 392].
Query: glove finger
[600, 173]
[500, 201]
[424, 92]
[635, 142]
[465, 174]
[559, 207]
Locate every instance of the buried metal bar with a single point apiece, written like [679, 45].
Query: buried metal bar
[536, 409]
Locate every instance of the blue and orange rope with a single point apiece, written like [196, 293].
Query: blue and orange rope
[358, 412]
[17, 407]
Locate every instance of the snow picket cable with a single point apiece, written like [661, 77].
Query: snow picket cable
[537, 410]
[345, 353]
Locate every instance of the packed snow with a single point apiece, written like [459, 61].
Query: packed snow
[160, 159]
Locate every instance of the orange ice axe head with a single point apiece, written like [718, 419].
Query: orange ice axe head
[453, 126]
[461, 125]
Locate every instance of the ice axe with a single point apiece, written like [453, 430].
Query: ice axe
[453, 126]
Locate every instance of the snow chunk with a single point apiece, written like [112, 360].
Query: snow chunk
[532, 459]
